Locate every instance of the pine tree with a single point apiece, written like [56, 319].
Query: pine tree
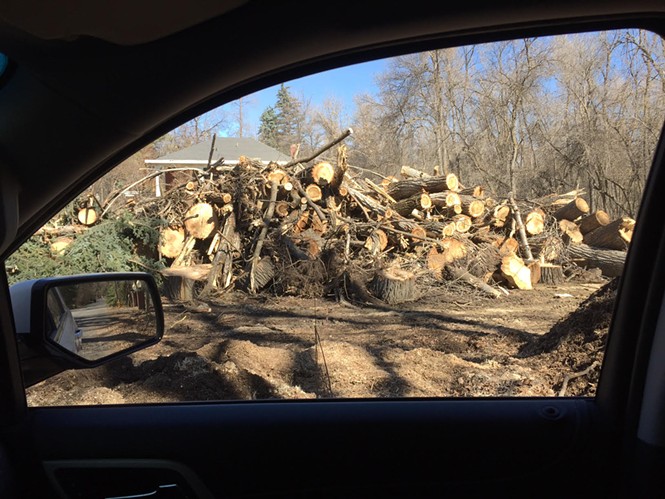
[280, 125]
[268, 127]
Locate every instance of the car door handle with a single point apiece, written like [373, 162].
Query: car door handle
[168, 491]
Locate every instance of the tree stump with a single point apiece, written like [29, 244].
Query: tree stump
[394, 286]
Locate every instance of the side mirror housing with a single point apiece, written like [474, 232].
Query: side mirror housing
[84, 321]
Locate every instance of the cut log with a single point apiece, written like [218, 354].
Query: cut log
[376, 242]
[87, 216]
[452, 182]
[610, 262]
[280, 177]
[282, 209]
[508, 245]
[314, 192]
[410, 187]
[616, 235]
[323, 173]
[471, 206]
[534, 223]
[500, 215]
[420, 201]
[593, 221]
[445, 199]
[171, 241]
[570, 231]
[222, 264]
[394, 286]
[448, 229]
[60, 244]
[462, 223]
[515, 272]
[408, 172]
[477, 192]
[573, 210]
[200, 221]
[534, 267]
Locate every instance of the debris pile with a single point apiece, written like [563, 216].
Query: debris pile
[319, 228]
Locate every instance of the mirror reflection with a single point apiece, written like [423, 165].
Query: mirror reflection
[97, 319]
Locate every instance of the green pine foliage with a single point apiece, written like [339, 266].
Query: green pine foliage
[124, 244]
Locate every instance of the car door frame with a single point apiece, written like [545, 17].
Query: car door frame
[610, 422]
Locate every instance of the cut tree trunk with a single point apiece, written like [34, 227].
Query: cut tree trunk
[394, 286]
[87, 216]
[610, 262]
[314, 192]
[200, 221]
[445, 199]
[410, 187]
[477, 192]
[180, 281]
[570, 231]
[408, 172]
[593, 221]
[376, 242]
[418, 202]
[616, 235]
[551, 274]
[534, 223]
[472, 206]
[462, 223]
[516, 273]
[573, 210]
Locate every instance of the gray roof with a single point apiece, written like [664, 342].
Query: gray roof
[229, 148]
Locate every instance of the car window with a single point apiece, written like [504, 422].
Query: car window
[450, 223]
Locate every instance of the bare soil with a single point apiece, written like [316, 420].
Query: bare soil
[450, 343]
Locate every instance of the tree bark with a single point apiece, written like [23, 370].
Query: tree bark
[410, 187]
[616, 235]
[394, 286]
[610, 262]
[573, 210]
[593, 221]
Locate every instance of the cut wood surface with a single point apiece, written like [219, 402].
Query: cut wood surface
[594, 220]
[572, 210]
[534, 223]
[615, 235]
[420, 201]
[516, 273]
[87, 216]
[200, 220]
[570, 231]
[171, 241]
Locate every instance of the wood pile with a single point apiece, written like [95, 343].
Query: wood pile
[319, 227]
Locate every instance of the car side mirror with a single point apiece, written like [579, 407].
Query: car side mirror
[84, 321]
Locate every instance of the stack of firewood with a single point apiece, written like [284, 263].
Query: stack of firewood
[251, 226]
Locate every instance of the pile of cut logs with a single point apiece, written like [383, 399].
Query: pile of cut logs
[251, 226]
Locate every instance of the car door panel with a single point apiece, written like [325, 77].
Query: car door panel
[459, 446]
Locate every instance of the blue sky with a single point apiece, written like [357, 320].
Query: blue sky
[343, 84]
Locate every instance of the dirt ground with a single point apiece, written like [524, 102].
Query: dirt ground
[452, 343]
